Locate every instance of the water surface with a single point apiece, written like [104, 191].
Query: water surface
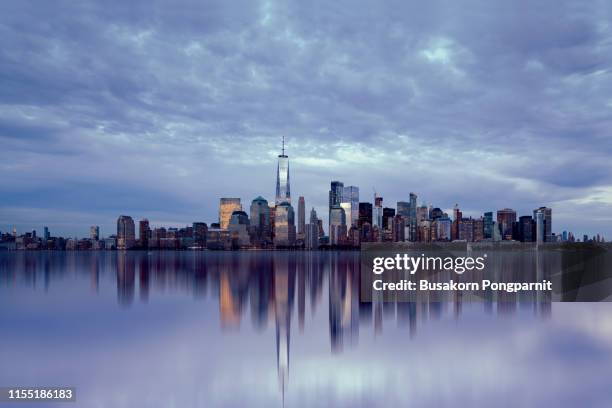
[201, 329]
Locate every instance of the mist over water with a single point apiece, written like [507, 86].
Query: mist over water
[191, 329]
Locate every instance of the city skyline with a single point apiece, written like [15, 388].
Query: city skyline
[344, 211]
[176, 108]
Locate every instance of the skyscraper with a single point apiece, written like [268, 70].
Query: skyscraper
[422, 213]
[526, 229]
[398, 227]
[284, 228]
[260, 219]
[337, 225]
[466, 229]
[335, 196]
[506, 218]
[47, 235]
[301, 217]
[387, 217]
[377, 216]
[126, 232]
[144, 232]
[436, 213]
[488, 225]
[311, 240]
[94, 232]
[350, 196]
[239, 229]
[478, 227]
[336, 192]
[546, 223]
[200, 229]
[457, 217]
[539, 222]
[365, 214]
[412, 218]
[226, 207]
[403, 209]
[443, 228]
[283, 189]
[346, 206]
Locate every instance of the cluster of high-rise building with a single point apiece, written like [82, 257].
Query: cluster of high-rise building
[351, 222]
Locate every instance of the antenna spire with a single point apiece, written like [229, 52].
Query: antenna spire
[283, 146]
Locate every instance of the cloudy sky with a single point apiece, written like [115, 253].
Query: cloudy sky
[157, 109]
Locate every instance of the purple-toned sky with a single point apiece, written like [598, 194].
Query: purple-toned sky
[156, 109]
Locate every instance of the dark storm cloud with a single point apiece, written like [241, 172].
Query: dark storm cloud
[163, 107]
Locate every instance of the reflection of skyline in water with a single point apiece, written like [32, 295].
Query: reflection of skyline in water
[258, 286]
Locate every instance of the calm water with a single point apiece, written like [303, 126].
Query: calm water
[182, 329]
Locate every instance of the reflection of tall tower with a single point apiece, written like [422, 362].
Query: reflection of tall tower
[343, 302]
[126, 285]
[283, 190]
[284, 277]
[95, 274]
[143, 283]
[228, 305]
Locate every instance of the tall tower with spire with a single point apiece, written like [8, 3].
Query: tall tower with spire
[283, 190]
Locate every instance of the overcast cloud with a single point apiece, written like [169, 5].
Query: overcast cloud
[156, 109]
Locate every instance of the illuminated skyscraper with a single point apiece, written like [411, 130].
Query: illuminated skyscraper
[226, 207]
[350, 203]
[283, 190]
[347, 213]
